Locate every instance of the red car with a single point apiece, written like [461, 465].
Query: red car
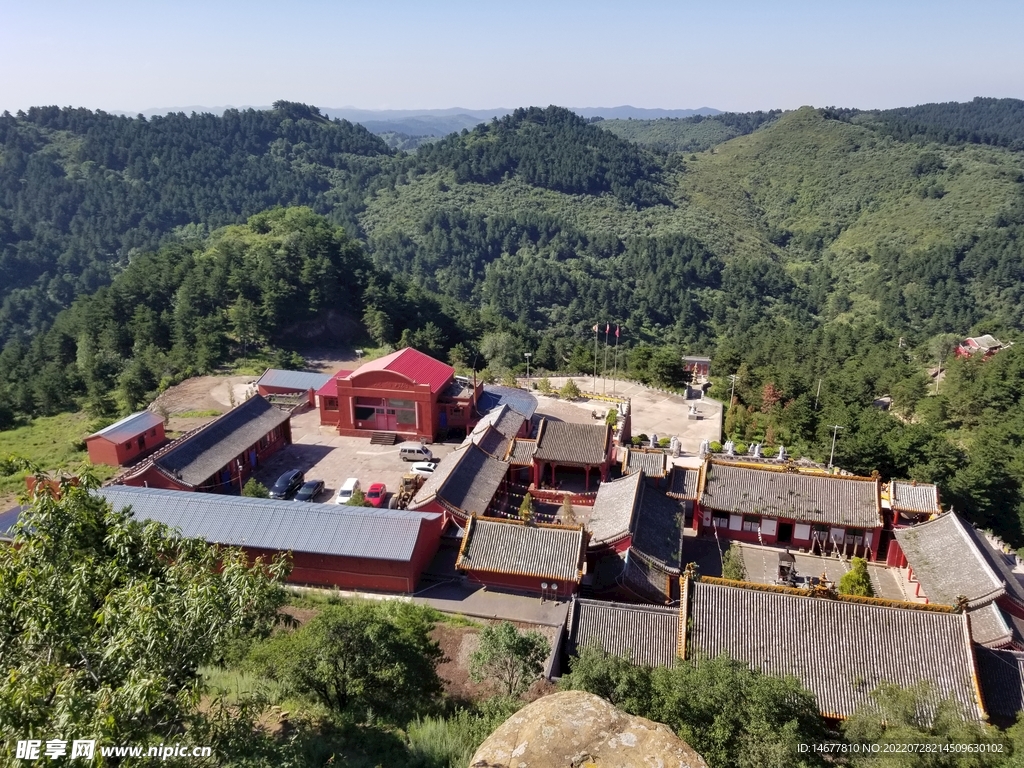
[376, 494]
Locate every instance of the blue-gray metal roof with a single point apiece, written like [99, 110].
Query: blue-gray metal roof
[129, 426]
[495, 396]
[7, 521]
[297, 380]
[378, 534]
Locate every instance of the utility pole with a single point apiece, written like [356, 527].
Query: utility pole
[527, 355]
[732, 392]
[832, 455]
[817, 395]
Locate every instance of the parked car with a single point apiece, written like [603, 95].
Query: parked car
[348, 488]
[376, 494]
[425, 468]
[287, 484]
[415, 452]
[310, 490]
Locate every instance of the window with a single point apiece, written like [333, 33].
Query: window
[152, 432]
[128, 445]
[721, 522]
[751, 524]
[364, 413]
[330, 403]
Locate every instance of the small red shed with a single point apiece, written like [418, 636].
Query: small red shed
[127, 439]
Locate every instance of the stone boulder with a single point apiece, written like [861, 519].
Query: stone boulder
[574, 729]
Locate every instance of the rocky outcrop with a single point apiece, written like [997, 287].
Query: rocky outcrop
[574, 729]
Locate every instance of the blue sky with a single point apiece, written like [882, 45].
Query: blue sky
[406, 55]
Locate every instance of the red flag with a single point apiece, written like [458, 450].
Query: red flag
[616, 331]
[607, 327]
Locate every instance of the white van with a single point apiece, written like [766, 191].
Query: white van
[348, 488]
[414, 452]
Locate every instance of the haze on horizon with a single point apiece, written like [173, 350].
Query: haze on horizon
[737, 56]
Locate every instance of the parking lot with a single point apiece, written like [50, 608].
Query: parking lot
[323, 454]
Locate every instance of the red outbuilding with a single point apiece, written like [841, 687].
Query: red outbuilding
[546, 560]
[406, 393]
[221, 456]
[363, 548]
[127, 439]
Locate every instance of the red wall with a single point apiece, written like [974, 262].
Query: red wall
[104, 451]
[360, 573]
[383, 384]
[531, 584]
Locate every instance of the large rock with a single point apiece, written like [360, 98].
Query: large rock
[574, 729]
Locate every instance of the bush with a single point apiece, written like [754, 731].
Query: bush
[612, 418]
[741, 448]
[569, 390]
[544, 385]
[664, 442]
[255, 489]
[715, 446]
[436, 742]
[770, 452]
[856, 581]
[509, 658]
[733, 566]
[642, 439]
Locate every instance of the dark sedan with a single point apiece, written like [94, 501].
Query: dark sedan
[287, 484]
[310, 490]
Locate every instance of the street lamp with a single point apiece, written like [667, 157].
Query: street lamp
[527, 355]
[554, 592]
[543, 590]
[832, 455]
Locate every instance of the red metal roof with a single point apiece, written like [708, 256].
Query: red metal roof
[414, 365]
[330, 389]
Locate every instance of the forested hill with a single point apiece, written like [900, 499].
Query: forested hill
[551, 148]
[82, 192]
[819, 245]
[999, 122]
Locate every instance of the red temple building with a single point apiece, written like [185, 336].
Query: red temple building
[946, 560]
[566, 450]
[221, 456]
[821, 513]
[406, 393]
[130, 438]
[980, 346]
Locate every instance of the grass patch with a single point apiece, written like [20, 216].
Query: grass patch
[197, 414]
[50, 442]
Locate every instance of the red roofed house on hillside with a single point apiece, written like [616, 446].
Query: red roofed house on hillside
[127, 439]
[983, 346]
[406, 392]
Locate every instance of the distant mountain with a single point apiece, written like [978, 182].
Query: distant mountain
[438, 122]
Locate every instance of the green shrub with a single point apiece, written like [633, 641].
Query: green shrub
[733, 566]
[664, 442]
[715, 446]
[856, 581]
[255, 489]
[740, 448]
[569, 390]
[770, 452]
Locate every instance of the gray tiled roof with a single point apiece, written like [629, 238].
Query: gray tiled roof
[823, 499]
[521, 452]
[490, 441]
[277, 525]
[466, 480]
[495, 396]
[683, 483]
[7, 520]
[297, 380]
[196, 458]
[648, 635]
[948, 561]
[913, 497]
[658, 531]
[611, 517]
[128, 427]
[543, 551]
[504, 418]
[651, 463]
[567, 443]
[1001, 563]
[1001, 674]
[989, 626]
[839, 650]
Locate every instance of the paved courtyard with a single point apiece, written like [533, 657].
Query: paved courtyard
[323, 454]
[653, 411]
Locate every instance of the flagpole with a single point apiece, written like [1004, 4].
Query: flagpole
[615, 374]
[604, 388]
[596, 326]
